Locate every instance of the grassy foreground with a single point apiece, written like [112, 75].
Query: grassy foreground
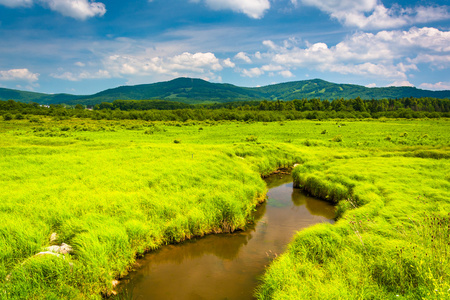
[115, 189]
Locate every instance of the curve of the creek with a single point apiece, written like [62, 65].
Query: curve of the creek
[227, 266]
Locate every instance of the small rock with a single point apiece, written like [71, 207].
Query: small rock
[53, 237]
[65, 249]
[54, 249]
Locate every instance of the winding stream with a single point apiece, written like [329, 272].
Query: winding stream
[227, 266]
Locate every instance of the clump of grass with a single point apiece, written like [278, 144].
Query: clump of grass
[337, 138]
[251, 138]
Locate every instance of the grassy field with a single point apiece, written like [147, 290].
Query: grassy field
[115, 189]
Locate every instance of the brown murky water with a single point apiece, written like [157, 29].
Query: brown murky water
[227, 266]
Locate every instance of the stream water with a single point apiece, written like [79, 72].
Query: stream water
[227, 266]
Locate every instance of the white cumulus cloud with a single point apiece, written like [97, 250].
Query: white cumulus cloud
[401, 83]
[77, 9]
[286, 74]
[436, 86]
[390, 54]
[199, 64]
[372, 14]
[252, 8]
[228, 63]
[244, 57]
[253, 72]
[19, 75]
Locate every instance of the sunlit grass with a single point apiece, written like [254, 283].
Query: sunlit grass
[115, 189]
[391, 239]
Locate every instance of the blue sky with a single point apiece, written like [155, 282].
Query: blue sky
[83, 46]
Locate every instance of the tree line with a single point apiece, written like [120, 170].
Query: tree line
[266, 111]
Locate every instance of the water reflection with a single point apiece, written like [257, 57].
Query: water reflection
[226, 266]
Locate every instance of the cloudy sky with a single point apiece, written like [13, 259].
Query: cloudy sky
[85, 46]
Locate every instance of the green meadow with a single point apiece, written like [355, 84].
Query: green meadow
[114, 190]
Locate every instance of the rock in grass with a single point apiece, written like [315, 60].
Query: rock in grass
[63, 249]
[53, 237]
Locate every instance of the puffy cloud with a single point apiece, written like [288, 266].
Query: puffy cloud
[286, 74]
[429, 14]
[271, 68]
[228, 63]
[19, 75]
[366, 69]
[401, 83]
[77, 9]
[253, 72]
[252, 8]
[244, 57]
[390, 54]
[437, 61]
[371, 14]
[436, 86]
[185, 64]
[371, 85]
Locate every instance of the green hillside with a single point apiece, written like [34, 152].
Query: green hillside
[194, 91]
[41, 98]
[185, 90]
[317, 88]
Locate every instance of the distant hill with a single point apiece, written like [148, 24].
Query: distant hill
[23, 96]
[192, 91]
[317, 88]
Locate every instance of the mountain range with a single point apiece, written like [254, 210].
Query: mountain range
[192, 91]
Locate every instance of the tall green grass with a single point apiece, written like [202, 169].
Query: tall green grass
[116, 189]
[391, 239]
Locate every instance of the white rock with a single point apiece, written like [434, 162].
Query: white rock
[65, 249]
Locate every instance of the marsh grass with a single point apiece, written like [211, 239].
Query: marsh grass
[391, 237]
[116, 189]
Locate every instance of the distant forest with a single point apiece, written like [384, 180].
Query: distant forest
[266, 111]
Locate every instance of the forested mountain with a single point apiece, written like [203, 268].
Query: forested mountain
[192, 91]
